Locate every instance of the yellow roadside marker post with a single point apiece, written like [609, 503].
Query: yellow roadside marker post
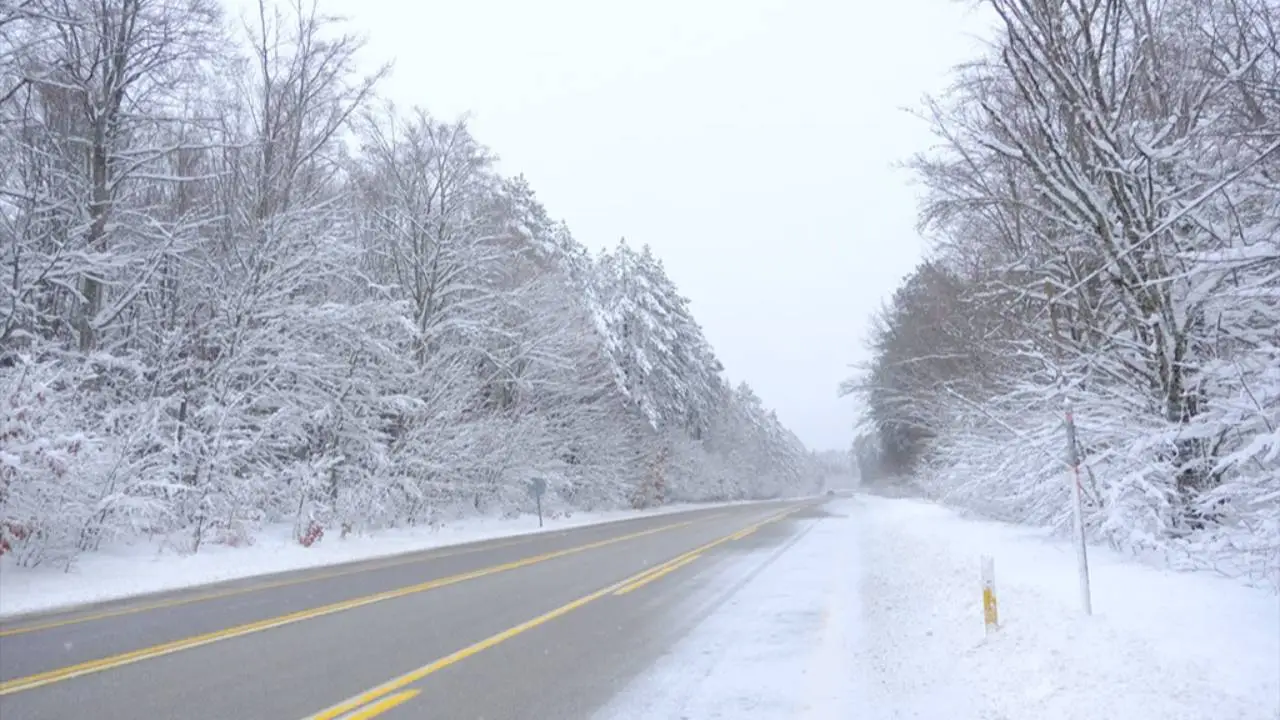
[990, 615]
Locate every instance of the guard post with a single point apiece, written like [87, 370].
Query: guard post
[990, 612]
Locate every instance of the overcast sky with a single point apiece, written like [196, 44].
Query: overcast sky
[751, 143]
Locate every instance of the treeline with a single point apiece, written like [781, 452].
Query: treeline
[1104, 208]
[239, 289]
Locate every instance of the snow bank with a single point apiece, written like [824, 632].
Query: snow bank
[875, 613]
[126, 570]
[1161, 645]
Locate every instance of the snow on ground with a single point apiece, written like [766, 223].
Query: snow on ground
[125, 570]
[876, 613]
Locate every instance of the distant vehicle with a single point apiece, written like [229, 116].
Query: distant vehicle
[831, 493]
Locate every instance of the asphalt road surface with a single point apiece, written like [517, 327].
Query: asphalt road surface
[540, 626]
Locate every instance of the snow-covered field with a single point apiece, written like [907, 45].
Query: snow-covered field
[875, 613]
[125, 570]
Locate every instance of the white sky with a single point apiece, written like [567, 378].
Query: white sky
[749, 142]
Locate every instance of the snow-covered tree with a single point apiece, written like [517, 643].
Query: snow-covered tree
[239, 289]
[1104, 210]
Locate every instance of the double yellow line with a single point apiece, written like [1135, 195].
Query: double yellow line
[648, 576]
[378, 699]
[383, 705]
[31, 682]
[645, 579]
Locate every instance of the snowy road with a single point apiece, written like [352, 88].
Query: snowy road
[857, 607]
[540, 626]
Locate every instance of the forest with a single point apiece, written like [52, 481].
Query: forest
[1102, 208]
[239, 287]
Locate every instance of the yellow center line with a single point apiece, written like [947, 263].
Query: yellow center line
[382, 705]
[30, 682]
[337, 711]
[645, 580]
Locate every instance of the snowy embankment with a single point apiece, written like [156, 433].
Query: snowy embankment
[875, 613]
[130, 569]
